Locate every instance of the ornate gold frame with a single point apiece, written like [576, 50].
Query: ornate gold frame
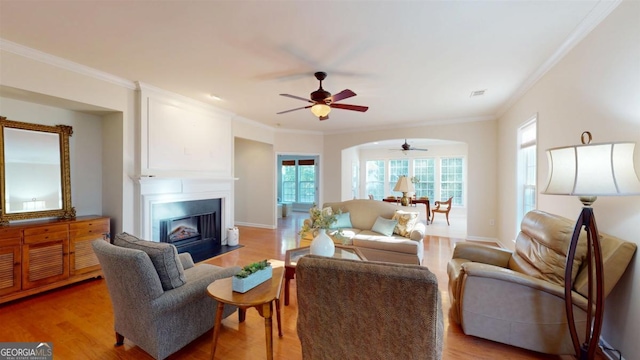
[67, 211]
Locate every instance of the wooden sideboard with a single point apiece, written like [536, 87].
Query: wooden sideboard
[37, 256]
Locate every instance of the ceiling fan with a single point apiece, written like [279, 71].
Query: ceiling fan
[322, 101]
[406, 147]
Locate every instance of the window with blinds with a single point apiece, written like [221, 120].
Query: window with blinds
[299, 181]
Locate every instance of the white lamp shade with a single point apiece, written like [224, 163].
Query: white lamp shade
[404, 185]
[320, 110]
[592, 170]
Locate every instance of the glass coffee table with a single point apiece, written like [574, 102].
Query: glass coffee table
[293, 255]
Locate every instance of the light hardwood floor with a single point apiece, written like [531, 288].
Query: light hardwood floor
[78, 319]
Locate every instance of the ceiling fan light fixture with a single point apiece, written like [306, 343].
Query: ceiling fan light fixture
[320, 110]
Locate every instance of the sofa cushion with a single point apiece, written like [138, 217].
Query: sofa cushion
[384, 226]
[164, 257]
[343, 221]
[406, 222]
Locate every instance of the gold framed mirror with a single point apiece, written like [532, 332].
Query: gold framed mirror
[35, 180]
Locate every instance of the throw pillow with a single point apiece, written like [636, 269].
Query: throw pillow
[406, 222]
[164, 257]
[343, 221]
[384, 226]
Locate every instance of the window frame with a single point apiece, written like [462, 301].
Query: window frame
[526, 168]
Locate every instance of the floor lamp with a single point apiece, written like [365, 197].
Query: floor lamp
[587, 171]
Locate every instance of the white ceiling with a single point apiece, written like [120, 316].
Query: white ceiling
[411, 62]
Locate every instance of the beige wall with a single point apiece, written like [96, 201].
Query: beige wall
[481, 140]
[85, 148]
[255, 191]
[596, 87]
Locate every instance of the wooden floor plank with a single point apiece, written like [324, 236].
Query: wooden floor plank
[78, 319]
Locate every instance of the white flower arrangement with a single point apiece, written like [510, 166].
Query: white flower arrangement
[319, 219]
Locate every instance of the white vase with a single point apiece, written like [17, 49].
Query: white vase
[322, 244]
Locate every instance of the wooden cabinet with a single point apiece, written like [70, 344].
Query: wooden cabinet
[81, 234]
[45, 255]
[41, 255]
[10, 261]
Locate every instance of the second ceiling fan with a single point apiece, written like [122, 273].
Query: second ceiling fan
[406, 147]
[322, 101]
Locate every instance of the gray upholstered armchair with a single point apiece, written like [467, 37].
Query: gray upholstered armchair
[517, 297]
[350, 309]
[159, 315]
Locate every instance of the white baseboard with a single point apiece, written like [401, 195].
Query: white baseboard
[262, 226]
[611, 355]
[481, 238]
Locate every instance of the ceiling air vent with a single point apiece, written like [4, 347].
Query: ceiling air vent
[477, 93]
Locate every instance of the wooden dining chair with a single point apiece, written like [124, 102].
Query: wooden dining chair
[442, 207]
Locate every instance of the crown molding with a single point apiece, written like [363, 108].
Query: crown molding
[599, 12]
[45, 58]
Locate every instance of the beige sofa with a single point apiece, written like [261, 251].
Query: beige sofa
[517, 298]
[375, 246]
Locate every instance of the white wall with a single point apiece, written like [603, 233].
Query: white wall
[106, 97]
[596, 87]
[349, 157]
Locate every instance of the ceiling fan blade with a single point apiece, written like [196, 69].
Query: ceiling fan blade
[419, 149]
[300, 108]
[344, 94]
[296, 97]
[323, 117]
[350, 107]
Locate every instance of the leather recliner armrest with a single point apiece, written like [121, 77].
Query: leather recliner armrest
[482, 254]
[471, 269]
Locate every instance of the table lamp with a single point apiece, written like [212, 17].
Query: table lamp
[404, 185]
[587, 171]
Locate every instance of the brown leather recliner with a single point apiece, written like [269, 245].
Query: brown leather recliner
[517, 297]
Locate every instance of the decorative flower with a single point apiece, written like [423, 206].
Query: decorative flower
[319, 219]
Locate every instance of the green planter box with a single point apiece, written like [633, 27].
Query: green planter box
[242, 285]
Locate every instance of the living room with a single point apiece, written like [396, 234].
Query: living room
[594, 87]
